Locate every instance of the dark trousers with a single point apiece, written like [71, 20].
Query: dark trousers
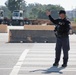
[62, 43]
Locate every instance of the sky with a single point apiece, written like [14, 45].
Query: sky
[67, 4]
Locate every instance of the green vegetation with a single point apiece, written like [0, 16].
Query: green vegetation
[39, 11]
[15, 5]
[74, 19]
[32, 11]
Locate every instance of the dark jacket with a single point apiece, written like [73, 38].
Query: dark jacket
[62, 26]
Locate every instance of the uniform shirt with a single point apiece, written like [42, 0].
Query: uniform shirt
[62, 26]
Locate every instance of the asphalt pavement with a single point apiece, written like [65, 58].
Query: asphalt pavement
[33, 58]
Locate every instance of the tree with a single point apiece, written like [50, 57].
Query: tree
[15, 5]
[38, 11]
[74, 19]
[7, 13]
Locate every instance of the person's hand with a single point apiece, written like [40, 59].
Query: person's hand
[48, 13]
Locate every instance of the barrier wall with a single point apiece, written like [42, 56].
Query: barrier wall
[38, 27]
[39, 36]
[74, 29]
[3, 28]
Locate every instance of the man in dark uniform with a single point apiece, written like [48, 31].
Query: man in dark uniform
[62, 34]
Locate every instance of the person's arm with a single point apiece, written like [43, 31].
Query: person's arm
[53, 20]
[70, 31]
[48, 13]
[69, 27]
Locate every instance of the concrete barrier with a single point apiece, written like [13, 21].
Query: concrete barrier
[74, 27]
[39, 27]
[3, 28]
[39, 36]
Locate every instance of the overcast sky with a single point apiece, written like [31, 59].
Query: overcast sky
[67, 4]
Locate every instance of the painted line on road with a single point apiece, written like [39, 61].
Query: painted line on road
[5, 68]
[19, 63]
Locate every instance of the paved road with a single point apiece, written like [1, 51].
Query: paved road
[33, 59]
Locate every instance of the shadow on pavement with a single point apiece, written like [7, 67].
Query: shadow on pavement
[50, 70]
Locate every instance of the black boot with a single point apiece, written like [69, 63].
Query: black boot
[56, 62]
[64, 65]
[64, 62]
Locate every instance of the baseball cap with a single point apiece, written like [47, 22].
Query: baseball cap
[62, 12]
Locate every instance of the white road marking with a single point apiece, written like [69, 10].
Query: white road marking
[5, 68]
[19, 63]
